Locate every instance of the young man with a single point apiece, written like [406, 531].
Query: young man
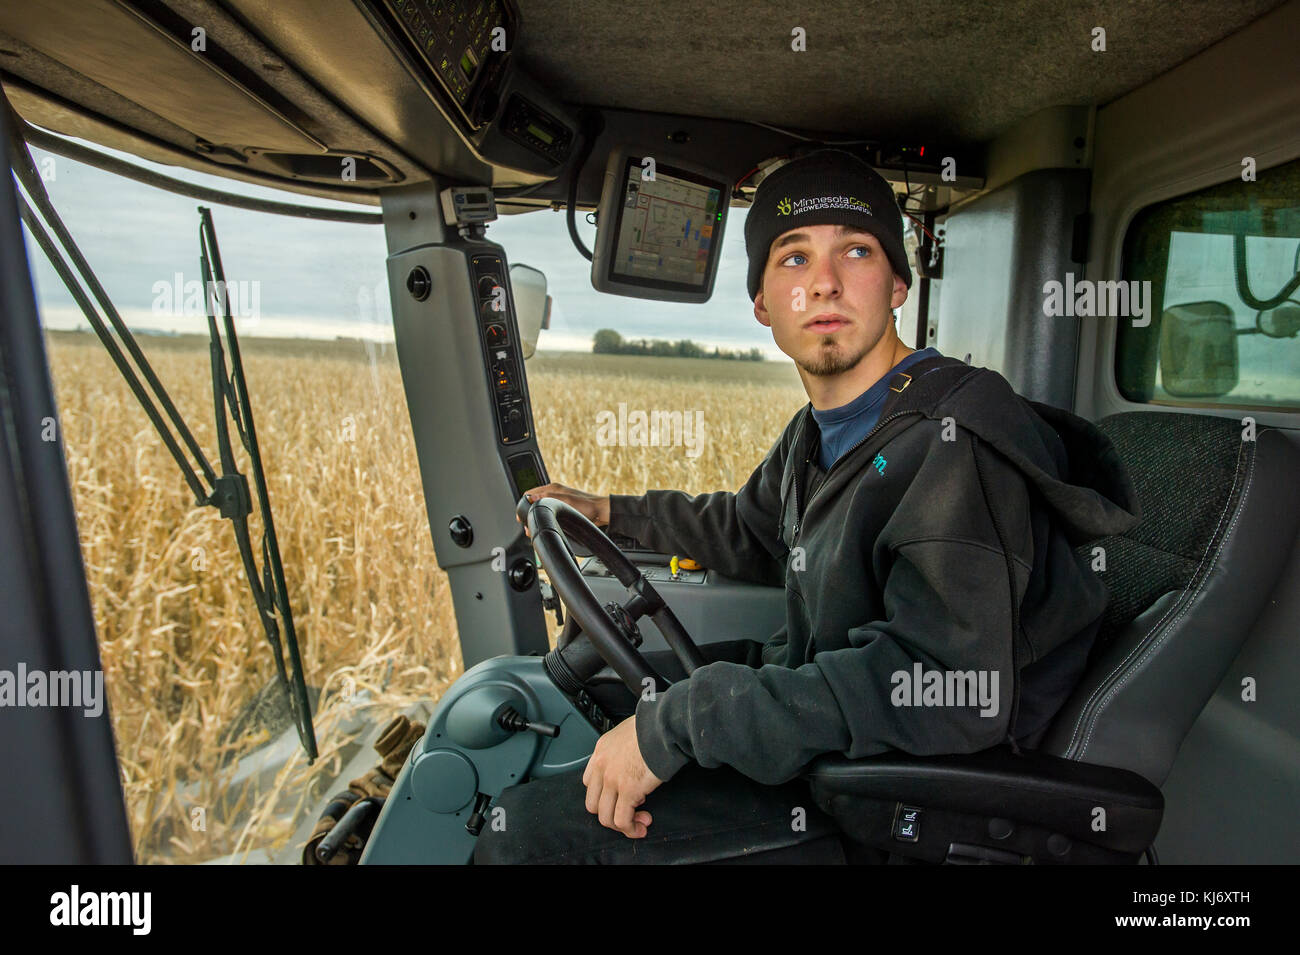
[932, 540]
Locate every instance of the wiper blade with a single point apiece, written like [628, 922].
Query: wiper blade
[230, 490]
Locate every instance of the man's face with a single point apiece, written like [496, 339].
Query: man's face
[828, 272]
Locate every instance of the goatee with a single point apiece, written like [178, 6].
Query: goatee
[832, 360]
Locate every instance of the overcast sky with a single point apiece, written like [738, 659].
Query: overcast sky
[319, 279]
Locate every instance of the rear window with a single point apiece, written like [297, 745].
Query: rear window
[1224, 307]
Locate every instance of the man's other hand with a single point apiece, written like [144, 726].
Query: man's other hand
[594, 507]
[618, 780]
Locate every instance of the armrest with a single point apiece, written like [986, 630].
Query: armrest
[1033, 789]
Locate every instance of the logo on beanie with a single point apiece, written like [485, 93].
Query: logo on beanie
[816, 203]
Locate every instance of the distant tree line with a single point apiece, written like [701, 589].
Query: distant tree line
[609, 342]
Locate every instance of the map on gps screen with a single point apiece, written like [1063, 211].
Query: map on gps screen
[666, 229]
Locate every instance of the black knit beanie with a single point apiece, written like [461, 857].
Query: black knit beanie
[826, 187]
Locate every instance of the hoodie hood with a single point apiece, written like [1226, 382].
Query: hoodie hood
[1066, 458]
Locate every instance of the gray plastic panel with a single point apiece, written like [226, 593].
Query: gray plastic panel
[715, 611]
[453, 419]
[1000, 250]
[423, 819]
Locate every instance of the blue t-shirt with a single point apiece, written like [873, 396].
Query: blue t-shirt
[843, 427]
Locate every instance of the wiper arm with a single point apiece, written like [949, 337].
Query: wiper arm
[230, 490]
[1243, 279]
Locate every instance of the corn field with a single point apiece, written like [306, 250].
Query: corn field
[186, 663]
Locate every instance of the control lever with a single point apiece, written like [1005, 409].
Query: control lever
[474, 825]
[511, 720]
[551, 602]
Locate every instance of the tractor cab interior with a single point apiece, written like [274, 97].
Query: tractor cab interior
[1125, 148]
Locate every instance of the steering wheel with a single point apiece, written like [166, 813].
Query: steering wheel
[551, 522]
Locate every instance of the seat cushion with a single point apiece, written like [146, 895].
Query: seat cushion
[700, 815]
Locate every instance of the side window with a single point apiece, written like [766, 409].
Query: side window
[1224, 311]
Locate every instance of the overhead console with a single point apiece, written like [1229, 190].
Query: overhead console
[461, 53]
[659, 227]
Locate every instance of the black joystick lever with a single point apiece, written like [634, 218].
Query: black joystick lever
[476, 819]
[511, 720]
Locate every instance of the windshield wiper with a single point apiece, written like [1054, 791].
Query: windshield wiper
[229, 491]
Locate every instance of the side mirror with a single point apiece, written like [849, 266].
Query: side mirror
[1198, 350]
[532, 305]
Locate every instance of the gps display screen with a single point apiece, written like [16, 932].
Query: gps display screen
[666, 228]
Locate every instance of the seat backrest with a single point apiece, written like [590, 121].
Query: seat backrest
[1219, 518]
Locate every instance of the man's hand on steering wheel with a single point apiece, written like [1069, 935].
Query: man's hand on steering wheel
[594, 507]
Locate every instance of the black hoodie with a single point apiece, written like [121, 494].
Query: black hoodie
[945, 531]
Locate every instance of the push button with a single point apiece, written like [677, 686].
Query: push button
[907, 825]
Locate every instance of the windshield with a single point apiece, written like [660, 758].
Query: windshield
[212, 766]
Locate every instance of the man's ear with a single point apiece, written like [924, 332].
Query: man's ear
[900, 292]
[760, 311]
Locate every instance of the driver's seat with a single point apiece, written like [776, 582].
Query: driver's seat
[1186, 584]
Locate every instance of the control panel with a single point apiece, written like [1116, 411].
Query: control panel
[529, 124]
[461, 46]
[460, 52]
[496, 324]
[657, 571]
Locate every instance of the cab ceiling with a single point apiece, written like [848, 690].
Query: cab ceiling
[944, 71]
[939, 70]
